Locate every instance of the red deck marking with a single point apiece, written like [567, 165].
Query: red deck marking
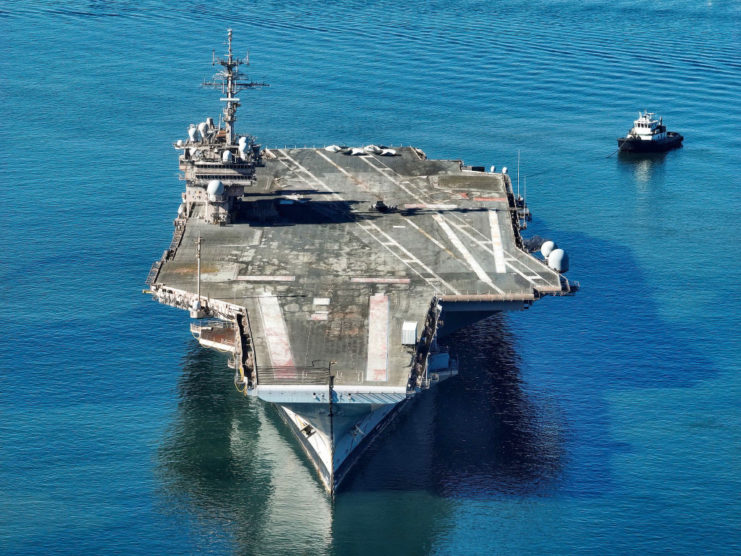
[489, 199]
[276, 336]
[464, 195]
[267, 278]
[378, 338]
[369, 280]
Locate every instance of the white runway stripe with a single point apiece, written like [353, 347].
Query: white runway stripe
[473, 263]
[496, 242]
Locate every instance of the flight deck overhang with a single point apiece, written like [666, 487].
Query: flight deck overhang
[320, 394]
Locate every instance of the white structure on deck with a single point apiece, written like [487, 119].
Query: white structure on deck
[217, 164]
[648, 128]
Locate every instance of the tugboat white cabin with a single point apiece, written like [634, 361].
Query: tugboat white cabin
[649, 134]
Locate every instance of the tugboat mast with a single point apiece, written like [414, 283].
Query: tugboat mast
[231, 81]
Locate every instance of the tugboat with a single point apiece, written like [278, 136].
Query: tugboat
[649, 135]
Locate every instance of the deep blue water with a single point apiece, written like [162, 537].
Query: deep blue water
[604, 422]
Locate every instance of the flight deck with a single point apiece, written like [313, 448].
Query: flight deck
[325, 273]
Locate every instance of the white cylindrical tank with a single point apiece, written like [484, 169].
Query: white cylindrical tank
[492, 169]
[226, 156]
[203, 128]
[504, 169]
[215, 190]
[558, 260]
[210, 122]
[547, 247]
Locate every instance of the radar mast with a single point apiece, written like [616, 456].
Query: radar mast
[231, 81]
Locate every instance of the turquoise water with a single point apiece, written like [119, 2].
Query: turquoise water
[604, 422]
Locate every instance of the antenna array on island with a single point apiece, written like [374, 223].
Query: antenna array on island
[231, 81]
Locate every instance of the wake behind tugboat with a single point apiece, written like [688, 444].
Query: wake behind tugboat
[649, 135]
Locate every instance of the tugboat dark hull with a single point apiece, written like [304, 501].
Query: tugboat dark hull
[673, 140]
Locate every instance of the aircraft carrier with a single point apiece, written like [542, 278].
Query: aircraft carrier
[329, 273]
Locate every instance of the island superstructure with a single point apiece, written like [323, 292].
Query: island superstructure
[329, 273]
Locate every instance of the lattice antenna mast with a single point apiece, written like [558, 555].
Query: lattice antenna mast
[231, 81]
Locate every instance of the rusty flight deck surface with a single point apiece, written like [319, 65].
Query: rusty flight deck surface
[324, 276]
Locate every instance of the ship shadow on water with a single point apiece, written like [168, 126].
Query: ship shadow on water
[478, 434]
[609, 342]
[530, 413]
[528, 416]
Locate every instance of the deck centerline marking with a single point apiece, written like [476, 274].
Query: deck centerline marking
[473, 263]
[411, 257]
[361, 184]
[496, 243]
[464, 223]
[380, 171]
[428, 236]
[484, 242]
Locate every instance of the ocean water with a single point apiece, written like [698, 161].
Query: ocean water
[606, 422]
